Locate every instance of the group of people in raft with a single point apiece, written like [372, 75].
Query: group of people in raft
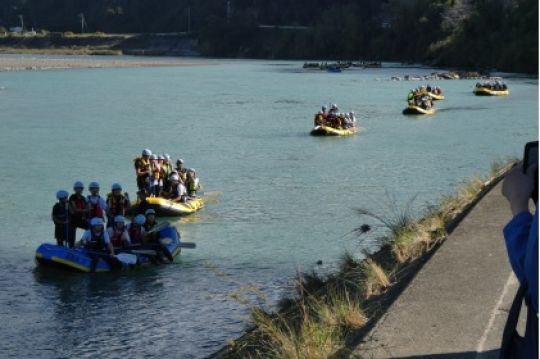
[334, 118]
[492, 85]
[421, 96]
[103, 219]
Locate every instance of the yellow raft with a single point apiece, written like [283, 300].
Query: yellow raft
[435, 97]
[165, 207]
[330, 131]
[482, 91]
[417, 110]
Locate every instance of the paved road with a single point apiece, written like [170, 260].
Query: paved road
[457, 304]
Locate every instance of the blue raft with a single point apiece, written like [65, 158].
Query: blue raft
[79, 259]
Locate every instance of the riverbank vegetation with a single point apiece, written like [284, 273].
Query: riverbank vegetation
[486, 34]
[326, 316]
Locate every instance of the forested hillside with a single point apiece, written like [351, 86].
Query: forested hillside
[485, 34]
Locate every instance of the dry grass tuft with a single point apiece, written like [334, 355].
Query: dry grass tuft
[376, 279]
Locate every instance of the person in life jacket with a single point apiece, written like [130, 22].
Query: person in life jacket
[150, 224]
[96, 238]
[410, 97]
[319, 119]
[117, 203]
[192, 183]
[142, 203]
[151, 221]
[142, 169]
[352, 119]
[181, 170]
[136, 229]
[156, 181]
[97, 205]
[168, 170]
[60, 217]
[178, 191]
[78, 212]
[118, 233]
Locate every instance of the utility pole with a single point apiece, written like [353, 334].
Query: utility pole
[83, 22]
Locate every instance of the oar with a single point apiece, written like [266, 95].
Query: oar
[123, 258]
[158, 228]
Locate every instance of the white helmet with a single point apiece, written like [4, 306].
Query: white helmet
[153, 157]
[146, 152]
[174, 177]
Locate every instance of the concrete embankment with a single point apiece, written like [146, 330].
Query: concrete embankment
[456, 306]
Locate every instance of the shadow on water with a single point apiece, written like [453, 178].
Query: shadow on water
[463, 108]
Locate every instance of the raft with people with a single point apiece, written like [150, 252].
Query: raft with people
[417, 110]
[334, 123]
[483, 91]
[330, 131]
[166, 246]
[166, 207]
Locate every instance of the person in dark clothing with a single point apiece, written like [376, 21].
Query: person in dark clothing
[521, 237]
[143, 205]
[78, 212]
[60, 218]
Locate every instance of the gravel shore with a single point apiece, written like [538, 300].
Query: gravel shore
[29, 62]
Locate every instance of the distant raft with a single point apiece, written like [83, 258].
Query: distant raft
[330, 131]
[82, 260]
[483, 91]
[417, 110]
[165, 207]
[435, 97]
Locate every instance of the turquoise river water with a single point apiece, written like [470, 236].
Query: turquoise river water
[282, 199]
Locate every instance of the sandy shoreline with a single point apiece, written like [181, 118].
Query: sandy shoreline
[29, 62]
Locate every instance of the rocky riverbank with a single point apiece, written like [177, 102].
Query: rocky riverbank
[452, 75]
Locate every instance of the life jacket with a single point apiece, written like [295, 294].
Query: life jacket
[156, 171]
[193, 185]
[141, 163]
[80, 203]
[96, 243]
[135, 234]
[148, 226]
[116, 204]
[116, 238]
[95, 208]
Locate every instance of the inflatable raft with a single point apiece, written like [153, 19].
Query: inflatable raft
[168, 246]
[330, 131]
[416, 110]
[165, 207]
[435, 97]
[482, 91]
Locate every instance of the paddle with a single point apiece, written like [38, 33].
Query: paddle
[121, 259]
[158, 228]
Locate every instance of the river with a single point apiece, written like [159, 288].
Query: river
[282, 200]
